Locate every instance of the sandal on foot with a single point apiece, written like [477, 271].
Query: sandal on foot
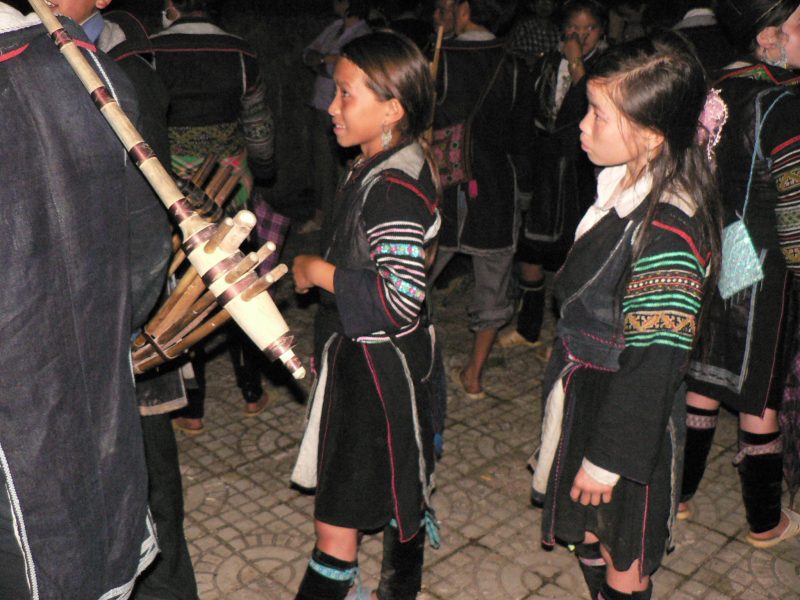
[253, 409]
[455, 375]
[685, 513]
[792, 530]
[187, 426]
[513, 338]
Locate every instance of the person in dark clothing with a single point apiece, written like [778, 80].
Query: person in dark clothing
[368, 446]
[563, 180]
[74, 212]
[483, 87]
[536, 34]
[742, 361]
[630, 294]
[405, 18]
[217, 107]
[327, 158]
[699, 24]
[171, 576]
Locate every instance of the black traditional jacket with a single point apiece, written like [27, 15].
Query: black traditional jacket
[70, 439]
[487, 220]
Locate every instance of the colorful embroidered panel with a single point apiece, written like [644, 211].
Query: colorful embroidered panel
[662, 300]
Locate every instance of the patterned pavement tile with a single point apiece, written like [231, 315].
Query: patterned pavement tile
[250, 533]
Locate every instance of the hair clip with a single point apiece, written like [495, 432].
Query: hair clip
[711, 122]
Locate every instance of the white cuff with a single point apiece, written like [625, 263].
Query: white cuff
[599, 474]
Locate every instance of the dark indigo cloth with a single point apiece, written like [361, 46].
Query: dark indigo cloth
[375, 452]
[563, 178]
[742, 358]
[500, 130]
[624, 406]
[171, 576]
[67, 210]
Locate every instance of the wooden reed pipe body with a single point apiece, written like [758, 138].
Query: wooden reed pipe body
[259, 318]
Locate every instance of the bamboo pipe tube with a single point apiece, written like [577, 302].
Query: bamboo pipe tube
[220, 176]
[250, 262]
[259, 318]
[264, 282]
[214, 323]
[224, 228]
[204, 171]
[226, 189]
[183, 284]
[200, 307]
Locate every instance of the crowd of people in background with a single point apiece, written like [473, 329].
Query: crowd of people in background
[627, 168]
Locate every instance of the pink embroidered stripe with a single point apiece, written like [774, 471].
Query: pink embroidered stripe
[403, 537]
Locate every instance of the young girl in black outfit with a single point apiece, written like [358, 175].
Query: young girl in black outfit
[368, 447]
[630, 294]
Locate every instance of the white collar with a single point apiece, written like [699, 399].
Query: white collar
[628, 199]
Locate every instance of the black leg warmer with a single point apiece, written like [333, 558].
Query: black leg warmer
[531, 313]
[700, 427]
[610, 593]
[593, 566]
[760, 462]
[401, 569]
[327, 578]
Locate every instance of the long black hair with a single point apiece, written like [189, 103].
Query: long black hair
[659, 84]
[395, 68]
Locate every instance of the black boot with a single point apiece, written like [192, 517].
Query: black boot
[592, 565]
[327, 578]
[761, 474]
[610, 593]
[700, 427]
[401, 569]
[531, 313]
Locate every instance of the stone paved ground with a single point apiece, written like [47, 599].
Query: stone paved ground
[250, 535]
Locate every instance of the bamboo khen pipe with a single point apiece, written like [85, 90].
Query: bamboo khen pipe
[258, 316]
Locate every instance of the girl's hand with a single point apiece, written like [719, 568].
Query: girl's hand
[590, 491]
[310, 270]
[301, 267]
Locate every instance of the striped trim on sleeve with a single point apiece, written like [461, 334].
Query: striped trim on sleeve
[396, 248]
[785, 168]
[662, 300]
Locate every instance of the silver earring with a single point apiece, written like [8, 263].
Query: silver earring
[386, 136]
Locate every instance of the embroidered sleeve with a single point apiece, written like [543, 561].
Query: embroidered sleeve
[396, 248]
[661, 302]
[785, 168]
[258, 129]
[388, 297]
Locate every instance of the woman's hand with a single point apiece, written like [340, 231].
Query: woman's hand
[572, 48]
[587, 490]
[310, 270]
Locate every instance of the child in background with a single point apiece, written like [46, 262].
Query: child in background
[630, 294]
[368, 447]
